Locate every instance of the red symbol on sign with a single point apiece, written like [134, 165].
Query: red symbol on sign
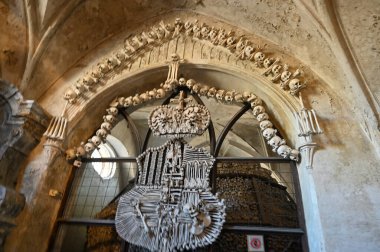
[255, 243]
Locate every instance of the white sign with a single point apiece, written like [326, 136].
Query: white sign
[255, 243]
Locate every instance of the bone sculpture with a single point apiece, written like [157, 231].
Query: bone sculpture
[171, 207]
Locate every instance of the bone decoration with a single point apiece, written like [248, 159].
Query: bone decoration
[239, 47]
[180, 121]
[171, 206]
[156, 118]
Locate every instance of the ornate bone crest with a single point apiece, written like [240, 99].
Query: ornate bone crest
[171, 207]
[180, 121]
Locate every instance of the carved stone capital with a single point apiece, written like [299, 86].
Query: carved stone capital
[307, 154]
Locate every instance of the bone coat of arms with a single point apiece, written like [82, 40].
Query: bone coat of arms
[171, 207]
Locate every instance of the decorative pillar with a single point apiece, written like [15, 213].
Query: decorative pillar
[308, 126]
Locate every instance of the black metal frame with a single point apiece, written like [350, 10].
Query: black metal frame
[215, 147]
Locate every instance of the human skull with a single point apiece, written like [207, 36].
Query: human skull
[128, 102]
[112, 111]
[284, 151]
[220, 94]
[107, 126]
[205, 31]
[136, 100]
[160, 93]
[294, 155]
[70, 95]
[96, 74]
[88, 80]
[258, 110]
[152, 93]
[268, 62]
[230, 41]
[295, 85]
[182, 81]
[246, 95]
[213, 34]
[80, 151]
[275, 142]
[70, 155]
[102, 133]
[248, 51]
[251, 98]
[263, 116]
[265, 124]
[121, 101]
[204, 90]
[168, 86]
[96, 140]
[196, 88]
[229, 96]
[144, 97]
[113, 62]
[211, 92]
[190, 83]
[276, 69]
[238, 97]
[122, 55]
[259, 58]
[89, 147]
[189, 208]
[188, 25]
[268, 133]
[285, 76]
[103, 68]
[109, 118]
[256, 102]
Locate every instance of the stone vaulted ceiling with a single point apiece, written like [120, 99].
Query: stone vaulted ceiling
[337, 40]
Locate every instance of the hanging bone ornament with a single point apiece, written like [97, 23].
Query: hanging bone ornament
[171, 207]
